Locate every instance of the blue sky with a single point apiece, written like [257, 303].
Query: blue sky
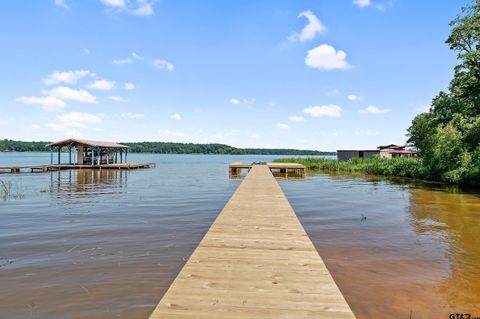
[312, 74]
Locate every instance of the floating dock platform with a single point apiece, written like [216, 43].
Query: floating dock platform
[279, 169]
[256, 261]
[59, 167]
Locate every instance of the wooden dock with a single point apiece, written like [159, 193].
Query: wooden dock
[279, 169]
[59, 167]
[256, 261]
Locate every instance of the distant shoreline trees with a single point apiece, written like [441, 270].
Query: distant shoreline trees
[168, 148]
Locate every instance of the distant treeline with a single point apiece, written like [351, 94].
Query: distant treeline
[168, 148]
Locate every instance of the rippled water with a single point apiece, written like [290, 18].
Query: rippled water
[107, 244]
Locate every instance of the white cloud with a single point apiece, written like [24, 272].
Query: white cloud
[235, 101]
[296, 118]
[62, 4]
[144, 8]
[255, 135]
[102, 85]
[272, 103]
[372, 109]
[114, 3]
[131, 115]
[3, 123]
[282, 126]
[353, 97]
[35, 126]
[86, 51]
[177, 117]
[135, 56]
[362, 3]
[48, 103]
[309, 32]
[66, 93]
[330, 110]
[70, 77]
[122, 61]
[326, 57]
[117, 99]
[163, 64]
[74, 120]
[129, 86]
[135, 7]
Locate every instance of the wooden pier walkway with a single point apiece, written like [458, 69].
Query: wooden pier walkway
[256, 261]
[59, 167]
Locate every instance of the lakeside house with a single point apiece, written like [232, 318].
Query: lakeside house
[384, 151]
[87, 152]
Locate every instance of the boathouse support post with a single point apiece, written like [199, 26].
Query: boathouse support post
[126, 153]
[93, 155]
[70, 155]
[59, 148]
[51, 155]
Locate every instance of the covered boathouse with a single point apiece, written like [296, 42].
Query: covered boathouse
[87, 152]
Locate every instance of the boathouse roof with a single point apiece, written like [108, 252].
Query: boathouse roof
[73, 141]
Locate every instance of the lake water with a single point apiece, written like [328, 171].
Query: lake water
[107, 244]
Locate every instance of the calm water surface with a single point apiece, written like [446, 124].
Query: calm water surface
[91, 244]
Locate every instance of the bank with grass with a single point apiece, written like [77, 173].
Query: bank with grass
[395, 167]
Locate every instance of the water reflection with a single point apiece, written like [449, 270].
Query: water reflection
[453, 221]
[87, 182]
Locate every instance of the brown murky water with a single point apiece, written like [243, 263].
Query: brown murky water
[92, 244]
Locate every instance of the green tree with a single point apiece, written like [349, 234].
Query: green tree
[448, 136]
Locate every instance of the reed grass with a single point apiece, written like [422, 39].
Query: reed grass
[401, 167]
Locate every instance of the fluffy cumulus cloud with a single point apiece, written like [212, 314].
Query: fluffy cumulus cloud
[163, 64]
[66, 93]
[234, 101]
[129, 86]
[102, 85]
[372, 109]
[61, 3]
[329, 110]
[296, 118]
[48, 103]
[131, 115]
[326, 57]
[69, 77]
[74, 120]
[362, 3]
[177, 117]
[122, 61]
[114, 3]
[135, 7]
[117, 99]
[353, 97]
[313, 27]
[282, 126]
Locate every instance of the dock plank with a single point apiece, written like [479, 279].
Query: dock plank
[256, 261]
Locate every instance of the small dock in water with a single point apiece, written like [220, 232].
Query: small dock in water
[256, 261]
[278, 169]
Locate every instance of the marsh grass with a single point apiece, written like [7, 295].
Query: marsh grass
[5, 189]
[401, 167]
